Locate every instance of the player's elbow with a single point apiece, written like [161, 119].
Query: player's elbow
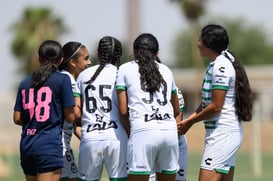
[216, 108]
[17, 118]
[69, 114]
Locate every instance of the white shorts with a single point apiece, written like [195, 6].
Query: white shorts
[182, 158]
[94, 155]
[70, 169]
[153, 150]
[220, 149]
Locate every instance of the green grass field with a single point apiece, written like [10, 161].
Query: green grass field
[10, 164]
[243, 171]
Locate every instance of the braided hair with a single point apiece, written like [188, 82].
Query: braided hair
[50, 54]
[109, 51]
[216, 38]
[145, 53]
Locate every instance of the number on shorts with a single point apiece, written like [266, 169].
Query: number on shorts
[69, 155]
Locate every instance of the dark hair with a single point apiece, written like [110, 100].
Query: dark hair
[216, 38]
[50, 54]
[145, 53]
[109, 51]
[71, 50]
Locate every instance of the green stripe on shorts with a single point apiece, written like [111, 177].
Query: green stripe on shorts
[221, 171]
[118, 179]
[140, 173]
[168, 172]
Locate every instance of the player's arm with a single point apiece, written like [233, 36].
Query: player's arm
[17, 118]
[218, 98]
[123, 110]
[78, 109]
[176, 109]
[69, 114]
[77, 129]
[78, 113]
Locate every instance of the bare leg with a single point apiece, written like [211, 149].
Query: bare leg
[138, 177]
[52, 176]
[165, 177]
[212, 175]
[30, 178]
[229, 176]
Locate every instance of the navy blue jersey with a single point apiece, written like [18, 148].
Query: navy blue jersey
[42, 113]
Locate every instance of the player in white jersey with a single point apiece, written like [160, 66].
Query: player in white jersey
[103, 138]
[226, 101]
[148, 105]
[76, 59]
[181, 175]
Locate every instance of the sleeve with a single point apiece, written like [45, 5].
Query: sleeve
[220, 76]
[74, 86]
[67, 93]
[181, 100]
[18, 101]
[174, 88]
[120, 80]
[77, 89]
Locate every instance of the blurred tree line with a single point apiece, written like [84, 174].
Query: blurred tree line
[249, 43]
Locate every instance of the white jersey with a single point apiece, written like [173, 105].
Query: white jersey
[70, 169]
[100, 117]
[183, 146]
[181, 100]
[68, 128]
[220, 75]
[147, 111]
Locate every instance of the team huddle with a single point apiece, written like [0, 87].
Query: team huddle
[128, 117]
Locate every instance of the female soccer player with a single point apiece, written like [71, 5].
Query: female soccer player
[76, 59]
[226, 101]
[103, 139]
[43, 99]
[148, 105]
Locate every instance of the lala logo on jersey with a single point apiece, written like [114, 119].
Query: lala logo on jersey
[101, 125]
[99, 118]
[156, 115]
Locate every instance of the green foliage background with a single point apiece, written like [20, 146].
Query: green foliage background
[250, 44]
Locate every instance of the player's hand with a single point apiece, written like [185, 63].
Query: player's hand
[183, 126]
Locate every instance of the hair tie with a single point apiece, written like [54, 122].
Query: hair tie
[227, 54]
[78, 49]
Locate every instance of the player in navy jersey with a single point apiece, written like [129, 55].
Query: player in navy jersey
[44, 98]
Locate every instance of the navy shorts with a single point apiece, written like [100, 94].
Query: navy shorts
[33, 164]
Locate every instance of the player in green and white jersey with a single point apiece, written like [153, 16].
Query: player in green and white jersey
[226, 102]
[76, 59]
